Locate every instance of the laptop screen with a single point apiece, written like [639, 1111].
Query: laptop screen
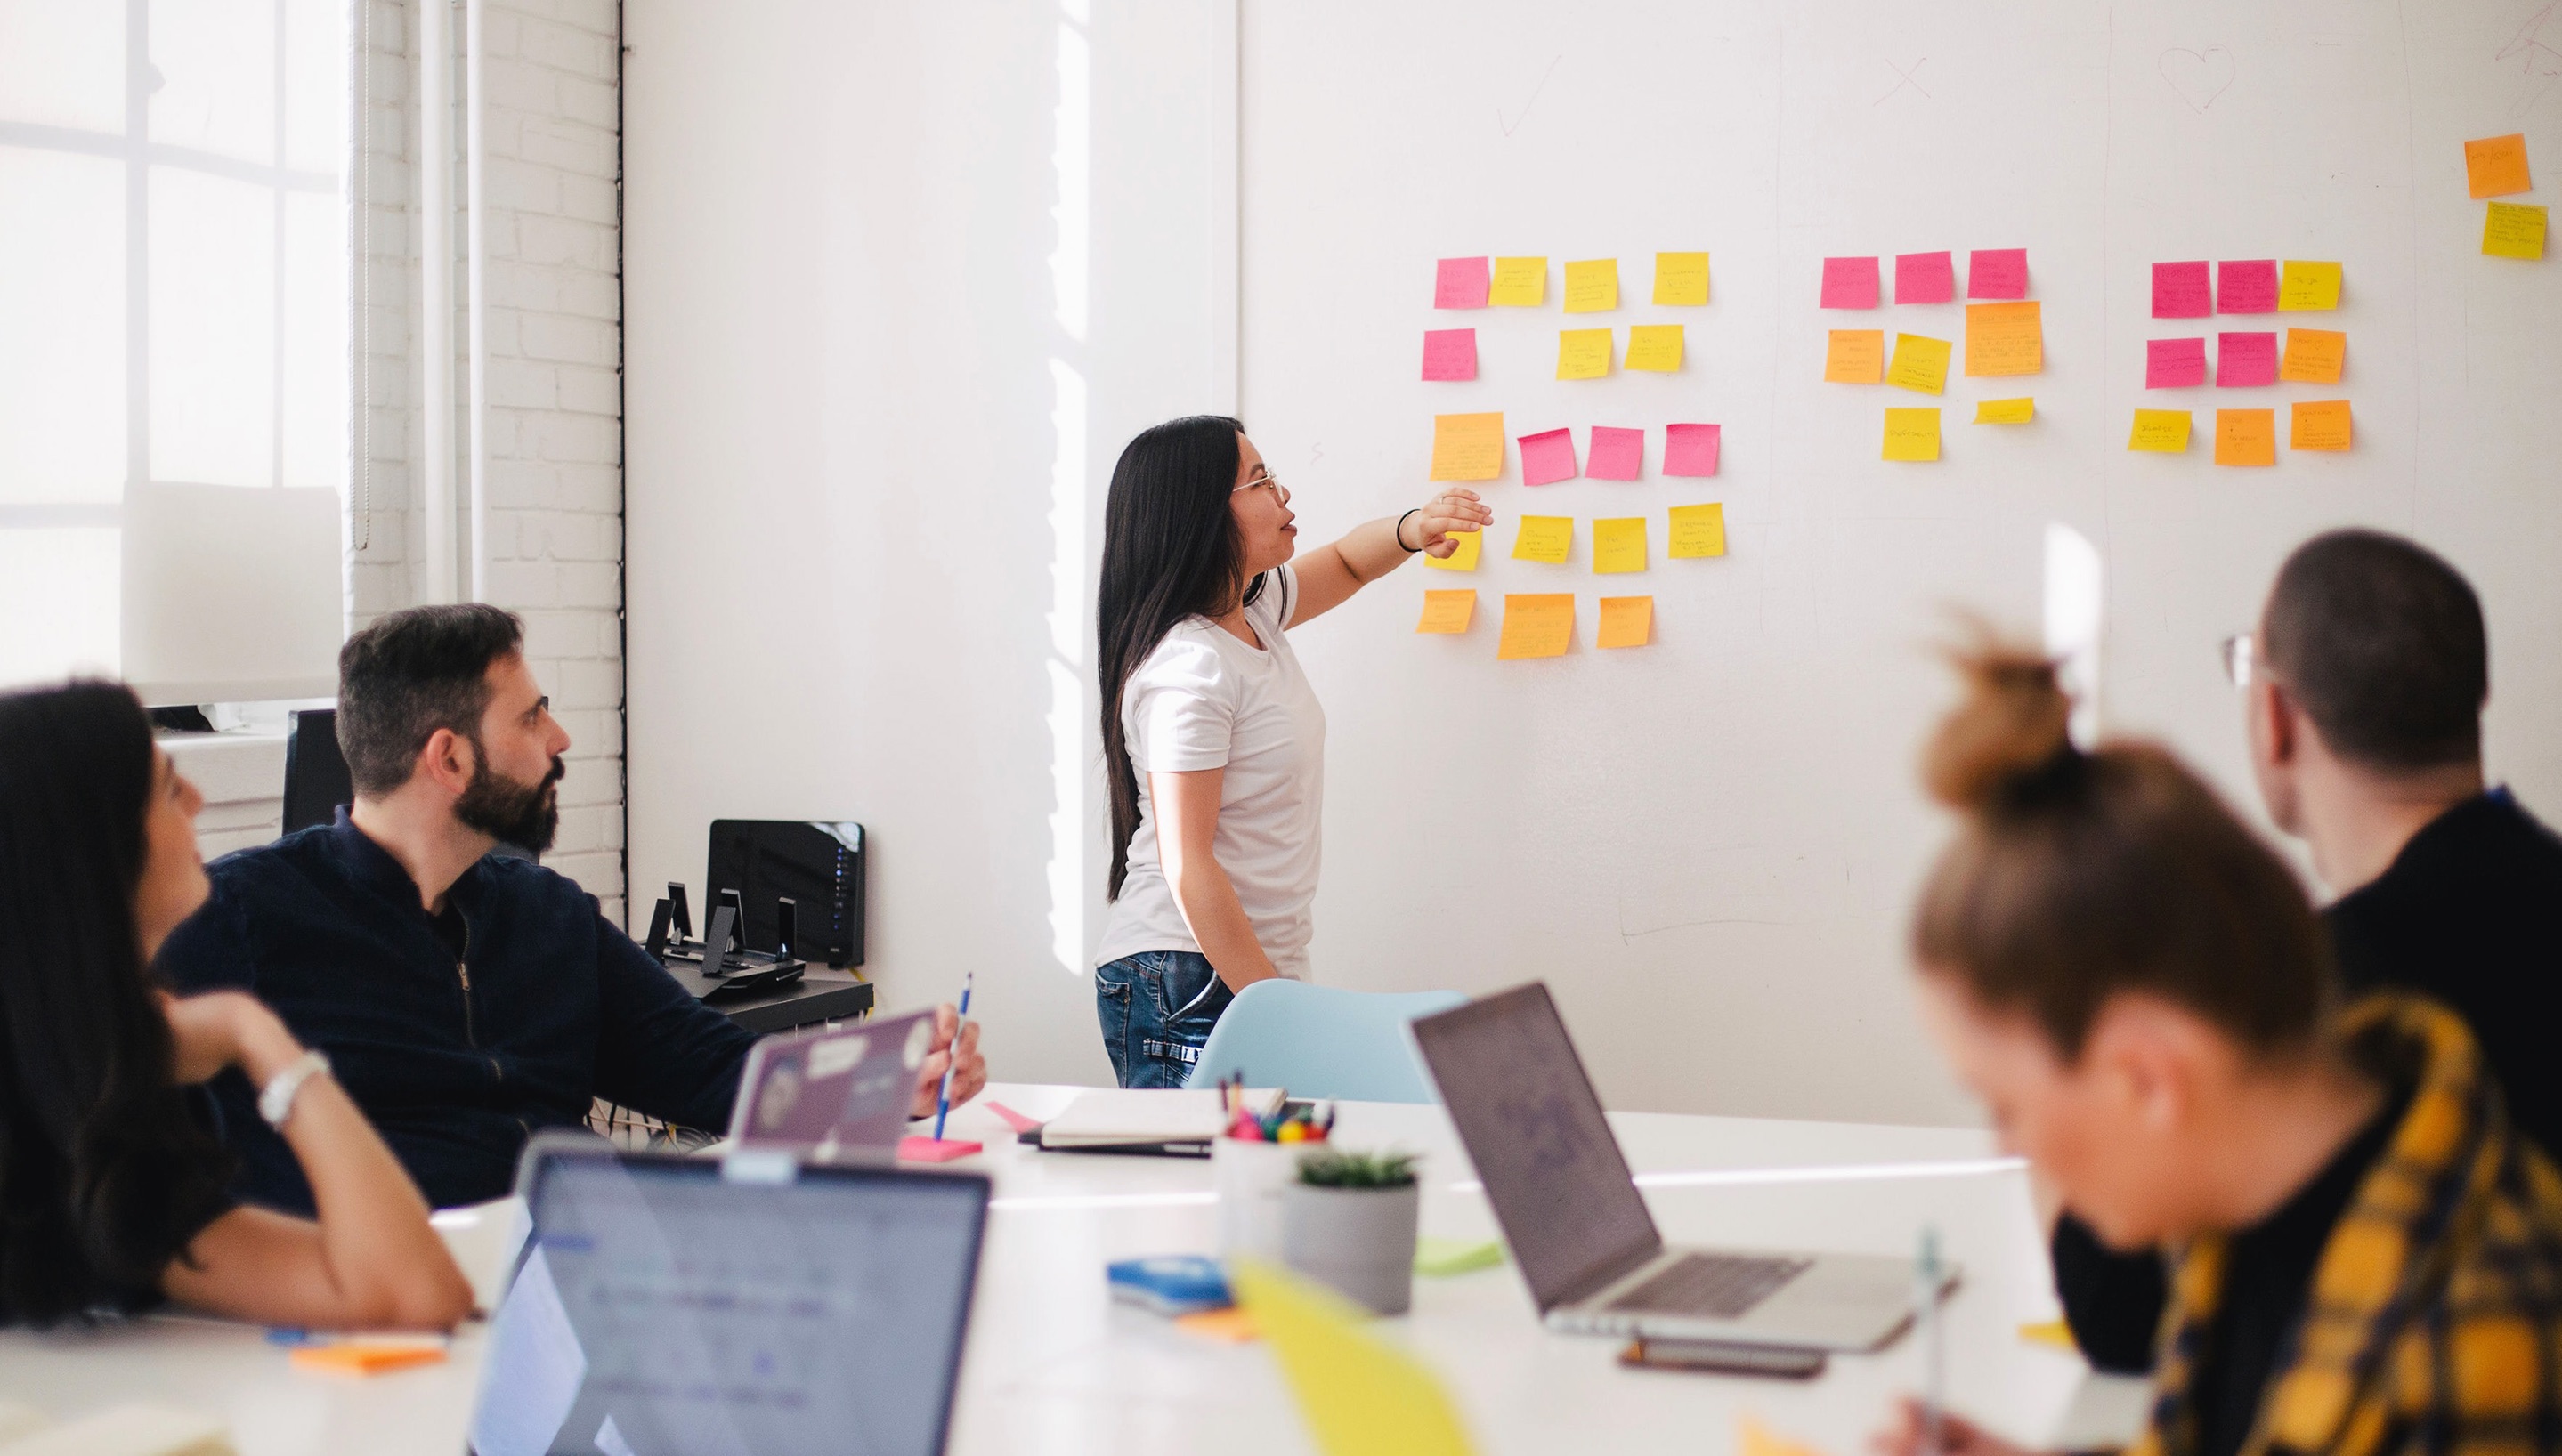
[1527, 1112]
[663, 1307]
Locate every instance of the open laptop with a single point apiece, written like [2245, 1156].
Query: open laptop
[1578, 1228]
[839, 1095]
[729, 1306]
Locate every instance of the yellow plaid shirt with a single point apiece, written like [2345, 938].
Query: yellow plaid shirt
[2434, 1322]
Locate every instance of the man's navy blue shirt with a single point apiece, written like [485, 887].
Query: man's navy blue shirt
[458, 1039]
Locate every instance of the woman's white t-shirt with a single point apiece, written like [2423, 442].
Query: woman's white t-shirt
[1202, 699]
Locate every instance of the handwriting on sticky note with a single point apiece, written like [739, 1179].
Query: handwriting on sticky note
[1545, 538]
[1655, 348]
[1855, 356]
[1460, 282]
[2496, 167]
[1593, 286]
[2307, 286]
[2313, 357]
[2246, 437]
[2245, 360]
[2005, 338]
[1912, 434]
[2320, 424]
[1920, 364]
[1617, 453]
[2248, 286]
[1519, 282]
[1698, 531]
[1680, 278]
[2513, 230]
[1997, 272]
[2180, 290]
[1850, 282]
[1471, 545]
[2005, 411]
[1448, 612]
[1467, 447]
[1547, 456]
[1583, 353]
[2174, 363]
[1691, 449]
[2162, 431]
[1449, 353]
[1626, 622]
[1620, 545]
[1925, 278]
[1537, 625]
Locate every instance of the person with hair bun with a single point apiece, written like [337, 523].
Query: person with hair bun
[2366, 1256]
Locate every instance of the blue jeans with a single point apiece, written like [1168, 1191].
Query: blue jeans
[1157, 1008]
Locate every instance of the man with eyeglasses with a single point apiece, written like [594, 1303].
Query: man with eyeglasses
[2364, 686]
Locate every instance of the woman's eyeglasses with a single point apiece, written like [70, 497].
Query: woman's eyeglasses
[1280, 491]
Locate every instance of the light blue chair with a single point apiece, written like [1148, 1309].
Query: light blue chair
[1323, 1042]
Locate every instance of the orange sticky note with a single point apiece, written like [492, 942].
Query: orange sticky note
[1230, 1326]
[2164, 431]
[2246, 437]
[2313, 357]
[1471, 544]
[1448, 612]
[2005, 338]
[1467, 447]
[1855, 356]
[2320, 424]
[1626, 622]
[1698, 530]
[359, 1358]
[2496, 167]
[1537, 625]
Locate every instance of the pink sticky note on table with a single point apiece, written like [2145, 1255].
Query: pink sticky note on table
[1850, 282]
[1997, 272]
[1925, 278]
[2245, 359]
[936, 1149]
[2174, 363]
[2246, 287]
[1616, 454]
[1461, 284]
[1547, 456]
[2180, 290]
[1691, 449]
[1449, 353]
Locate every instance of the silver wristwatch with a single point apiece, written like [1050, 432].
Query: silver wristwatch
[275, 1101]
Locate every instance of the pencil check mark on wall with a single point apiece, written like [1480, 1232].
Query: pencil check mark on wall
[1521, 114]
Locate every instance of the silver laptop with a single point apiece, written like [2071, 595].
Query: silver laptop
[1578, 1228]
[838, 1095]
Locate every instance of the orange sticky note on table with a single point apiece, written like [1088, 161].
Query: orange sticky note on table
[2005, 338]
[2313, 357]
[1537, 625]
[2163, 432]
[1626, 622]
[2320, 424]
[1912, 434]
[364, 1358]
[2246, 437]
[1698, 530]
[1448, 612]
[1471, 545]
[2496, 167]
[1467, 447]
[1855, 356]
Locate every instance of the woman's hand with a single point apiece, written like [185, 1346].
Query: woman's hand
[1904, 1436]
[222, 1029]
[968, 1068]
[1452, 510]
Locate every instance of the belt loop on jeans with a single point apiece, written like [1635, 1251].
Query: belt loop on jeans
[1190, 1055]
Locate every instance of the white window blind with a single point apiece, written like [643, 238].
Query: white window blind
[174, 371]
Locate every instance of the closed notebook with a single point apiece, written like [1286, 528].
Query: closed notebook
[126, 1430]
[1131, 1117]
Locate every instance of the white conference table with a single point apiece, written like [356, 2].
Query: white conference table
[1054, 1367]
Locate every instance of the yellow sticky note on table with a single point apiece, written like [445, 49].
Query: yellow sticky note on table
[1543, 538]
[1583, 353]
[1359, 1394]
[1471, 545]
[1626, 622]
[2161, 431]
[1855, 356]
[1681, 278]
[1467, 447]
[1620, 545]
[2005, 338]
[2513, 230]
[1537, 625]
[1912, 434]
[1920, 364]
[2005, 411]
[1698, 530]
[2246, 437]
[2320, 424]
[1593, 286]
[2496, 167]
[2305, 287]
[1448, 612]
[1752, 1438]
[1655, 346]
[2313, 357]
[1519, 282]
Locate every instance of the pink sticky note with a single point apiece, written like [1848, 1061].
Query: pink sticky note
[1547, 456]
[1691, 449]
[2180, 290]
[1616, 454]
[1850, 282]
[1461, 284]
[1924, 278]
[1997, 272]
[2174, 363]
[2245, 359]
[936, 1149]
[2246, 287]
[1449, 353]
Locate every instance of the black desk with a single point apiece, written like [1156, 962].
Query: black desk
[821, 995]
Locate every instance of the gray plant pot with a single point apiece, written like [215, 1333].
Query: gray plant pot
[1359, 1242]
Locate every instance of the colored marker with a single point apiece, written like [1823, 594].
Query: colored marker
[943, 1098]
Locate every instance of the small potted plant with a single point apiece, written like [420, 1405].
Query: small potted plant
[1349, 1221]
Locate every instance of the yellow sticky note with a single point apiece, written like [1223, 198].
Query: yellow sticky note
[2306, 287]
[1698, 530]
[2054, 1333]
[1519, 282]
[1467, 447]
[2246, 437]
[1359, 1394]
[1471, 544]
[1655, 346]
[1537, 625]
[1626, 622]
[1912, 434]
[1920, 364]
[1752, 1438]
[2005, 411]
[2313, 357]
[2005, 338]
[1448, 612]
[1583, 353]
[2496, 167]
[2163, 430]
[1620, 545]
[2514, 230]
[1681, 278]
[1593, 286]
[1855, 356]
[2320, 424]
[1543, 538]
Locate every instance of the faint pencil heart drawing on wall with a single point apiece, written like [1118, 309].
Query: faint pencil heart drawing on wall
[2198, 76]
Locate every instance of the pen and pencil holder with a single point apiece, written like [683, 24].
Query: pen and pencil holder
[1250, 1179]
[1349, 1221]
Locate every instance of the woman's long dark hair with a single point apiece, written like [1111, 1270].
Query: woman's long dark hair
[103, 1172]
[1169, 551]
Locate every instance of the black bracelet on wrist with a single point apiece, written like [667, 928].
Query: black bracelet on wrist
[1400, 533]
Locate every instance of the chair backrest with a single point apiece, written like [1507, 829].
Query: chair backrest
[1323, 1042]
[317, 780]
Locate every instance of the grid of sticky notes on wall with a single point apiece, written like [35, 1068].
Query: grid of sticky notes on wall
[2190, 378]
[1991, 328]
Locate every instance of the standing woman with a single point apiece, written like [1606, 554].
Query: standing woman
[1215, 744]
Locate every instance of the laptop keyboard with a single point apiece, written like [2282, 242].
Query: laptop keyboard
[1719, 1286]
